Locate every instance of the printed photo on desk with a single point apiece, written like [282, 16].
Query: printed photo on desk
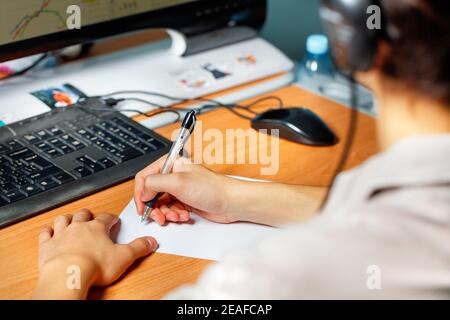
[233, 152]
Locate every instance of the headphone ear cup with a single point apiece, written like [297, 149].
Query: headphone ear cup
[353, 46]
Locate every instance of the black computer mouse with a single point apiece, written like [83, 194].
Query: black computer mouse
[296, 124]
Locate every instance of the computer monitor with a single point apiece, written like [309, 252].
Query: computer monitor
[33, 26]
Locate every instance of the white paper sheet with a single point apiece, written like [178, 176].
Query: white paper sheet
[199, 239]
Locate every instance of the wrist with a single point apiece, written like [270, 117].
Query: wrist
[68, 277]
[238, 195]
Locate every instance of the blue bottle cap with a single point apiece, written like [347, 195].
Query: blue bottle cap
[317, 44]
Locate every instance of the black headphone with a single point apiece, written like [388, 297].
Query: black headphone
[353, 44]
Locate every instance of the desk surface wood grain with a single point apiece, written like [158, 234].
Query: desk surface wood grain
[155, 276]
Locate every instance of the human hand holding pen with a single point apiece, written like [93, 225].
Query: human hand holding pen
[162, 207]
[192, 188]
[187, 127]
[188, 188]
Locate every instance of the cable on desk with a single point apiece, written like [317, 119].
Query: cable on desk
[156, 105]
[27, 69]
[147, 115]
[215, 104]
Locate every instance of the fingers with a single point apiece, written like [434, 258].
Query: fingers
[141, 194]
[107, 220]
[173, 183]
[157, 216]
[170, 215]
[169, 209]
[140, 247]
[82, 216]
[139, 182]
[184, 215]
[45, 234]
[175, 212]
[61, 222]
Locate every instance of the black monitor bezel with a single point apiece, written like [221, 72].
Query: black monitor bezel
[190, 18]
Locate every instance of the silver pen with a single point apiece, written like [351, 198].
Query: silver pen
[187, 128]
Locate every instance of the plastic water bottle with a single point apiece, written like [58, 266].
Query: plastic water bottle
[317, 73]
[316, 68]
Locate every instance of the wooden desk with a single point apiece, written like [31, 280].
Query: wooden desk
[155, 276]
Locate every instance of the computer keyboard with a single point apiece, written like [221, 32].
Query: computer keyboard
[68, 153]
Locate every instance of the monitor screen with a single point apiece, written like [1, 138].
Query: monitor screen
[26, 19]
[32, 26]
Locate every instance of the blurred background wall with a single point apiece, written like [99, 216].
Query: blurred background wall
[289, 23]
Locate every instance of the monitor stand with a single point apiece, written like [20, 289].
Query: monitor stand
[183, 46]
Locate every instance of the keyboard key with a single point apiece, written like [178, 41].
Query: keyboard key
[20, 154]
[91, 164]
[128, 154]
[82, 132]
[65, 137]
[53, 141]
[147, 138]
[122, 134]
[82, 171]
[47, 183]
[3, 148]
[14, 195]
[63, 178]
[83, 160]
[134, 141]
[77, 144]
[145, 148]
[43, 146]
[30, 190]
[15, 174]
[7, 187]
[29, 169]
[30, 138]
[55, 131]
[110, 149]
[107, 163]
[95, 167]
[127, 126]
[64, 148]
[22, 181]
[53, 153]
[101, 144]
[39, 162]
[14, 145]
[17, 164]
[43, 134]
[45, 173]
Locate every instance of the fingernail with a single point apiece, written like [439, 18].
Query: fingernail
[153, 244]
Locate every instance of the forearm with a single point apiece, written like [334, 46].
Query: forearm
[70, 279]
[273, 203]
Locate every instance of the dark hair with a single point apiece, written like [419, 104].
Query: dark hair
[419, 34]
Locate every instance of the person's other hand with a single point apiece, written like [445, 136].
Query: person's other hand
[189, 188]
[80, 240]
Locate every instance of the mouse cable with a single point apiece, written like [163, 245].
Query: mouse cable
[351, 132]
